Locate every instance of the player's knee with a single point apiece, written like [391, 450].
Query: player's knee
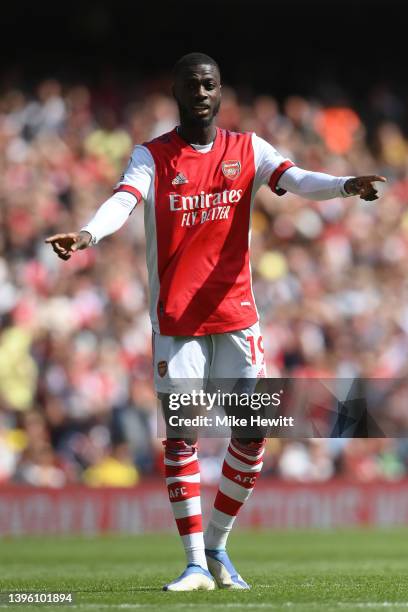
[183, 433]
[178, 446]
[249, 443]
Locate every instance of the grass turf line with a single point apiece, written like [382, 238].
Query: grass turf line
[299, 571]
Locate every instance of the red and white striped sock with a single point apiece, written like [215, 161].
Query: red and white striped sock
[241, 467]
[183, 485]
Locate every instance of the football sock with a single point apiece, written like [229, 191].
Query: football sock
[183, 485]
[241, 467]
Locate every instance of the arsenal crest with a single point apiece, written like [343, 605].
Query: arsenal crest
[231, 168]
[162, 368]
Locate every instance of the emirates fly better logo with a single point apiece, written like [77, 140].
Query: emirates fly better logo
[231, 168]
[202, 207]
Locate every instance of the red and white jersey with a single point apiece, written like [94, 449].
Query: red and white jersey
[197, 222]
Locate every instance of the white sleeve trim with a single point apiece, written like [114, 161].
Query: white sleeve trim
[267, 159]
[313, 185]
[110, 216]
[139, 171]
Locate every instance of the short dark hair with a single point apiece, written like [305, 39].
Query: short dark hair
[193, 59]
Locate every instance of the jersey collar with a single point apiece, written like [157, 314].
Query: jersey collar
[183, 143]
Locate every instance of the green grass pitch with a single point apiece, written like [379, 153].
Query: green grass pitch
[293, 571]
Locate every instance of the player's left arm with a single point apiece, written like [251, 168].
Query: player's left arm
[282, 175]
[321, 186]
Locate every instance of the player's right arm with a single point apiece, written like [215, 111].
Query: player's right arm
[133, 186]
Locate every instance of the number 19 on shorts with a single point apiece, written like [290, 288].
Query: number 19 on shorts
[256, 348]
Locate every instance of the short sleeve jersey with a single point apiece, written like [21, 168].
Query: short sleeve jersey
[197, 223]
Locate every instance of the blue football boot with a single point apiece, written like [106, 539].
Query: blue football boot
[225, 574]
[194, 578]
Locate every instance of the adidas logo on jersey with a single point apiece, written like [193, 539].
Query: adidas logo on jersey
[179, 180]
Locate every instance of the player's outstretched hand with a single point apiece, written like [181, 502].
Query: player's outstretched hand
[363, 186]
[66, 244]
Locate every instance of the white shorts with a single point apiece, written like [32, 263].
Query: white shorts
[202, 359]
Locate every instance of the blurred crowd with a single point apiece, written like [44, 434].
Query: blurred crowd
[76, 397]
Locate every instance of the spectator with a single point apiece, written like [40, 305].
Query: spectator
[76, 400]
[114, 469]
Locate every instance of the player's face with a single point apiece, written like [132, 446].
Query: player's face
[198, 94]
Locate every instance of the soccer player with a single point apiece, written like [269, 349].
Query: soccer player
[198, 184]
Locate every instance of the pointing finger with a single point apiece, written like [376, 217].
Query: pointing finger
[53, 238]
[374, 178]
[60, 237]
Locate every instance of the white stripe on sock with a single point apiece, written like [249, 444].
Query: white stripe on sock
[240, 466]
[249, 457]
[221, 520]
[180, 461]
[187, 507]
[194, 546]
[234, 490]
[191, 478]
